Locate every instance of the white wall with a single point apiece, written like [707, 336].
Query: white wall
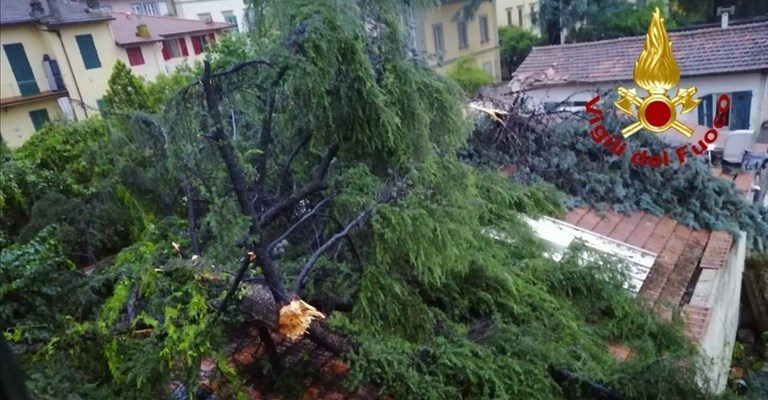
[190, 9]
[153, 61]
[720, 290]
[756, 82]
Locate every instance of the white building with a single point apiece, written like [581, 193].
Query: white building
[157, 45]
[731, 60]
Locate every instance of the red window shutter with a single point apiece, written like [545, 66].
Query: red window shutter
[212, 36]
[166, 53]
[183, 45]
[197, 44]
[135, 57]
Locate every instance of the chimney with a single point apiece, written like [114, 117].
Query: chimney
[37, 8]
[142, 31]
[724, 13]
[53, 9]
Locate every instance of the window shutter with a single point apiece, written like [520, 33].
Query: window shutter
[183, 45]
[135, 57]
[197, 44]
[21, 69]
[166, 53]
[88, 51]
[39, 118]
[705, 111]
[741, 102]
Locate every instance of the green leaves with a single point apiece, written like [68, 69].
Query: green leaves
[467, 74]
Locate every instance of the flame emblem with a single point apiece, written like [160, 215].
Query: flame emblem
[656, 71]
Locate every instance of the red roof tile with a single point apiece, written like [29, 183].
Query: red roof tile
[680, 251]
[160, 28]
[625, 227]
[739, 48]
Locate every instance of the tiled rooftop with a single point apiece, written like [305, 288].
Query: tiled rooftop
[679, 250]
[708, 51]
[20, 12]
[160, 28]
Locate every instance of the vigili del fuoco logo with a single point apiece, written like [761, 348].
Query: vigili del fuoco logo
[656, 71]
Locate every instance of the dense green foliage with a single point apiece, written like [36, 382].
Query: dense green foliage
[515, 43]
[467, 74]
[590, 20]
[559, 150]
[323, 135]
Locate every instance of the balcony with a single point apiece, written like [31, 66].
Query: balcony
[13, 96]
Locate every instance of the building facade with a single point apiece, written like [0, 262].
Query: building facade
[445, 40]
[224, 11]
[570, 75]
[55, 64]
[157, 45]
[522, 13]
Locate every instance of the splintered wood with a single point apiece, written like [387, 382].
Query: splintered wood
[295, 318]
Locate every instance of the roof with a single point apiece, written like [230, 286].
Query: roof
[20, 12]
[710, 51]
[160, 28]
[680, 251]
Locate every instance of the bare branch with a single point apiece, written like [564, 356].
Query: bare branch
[298, 223]
[317, 184]
[313, 258]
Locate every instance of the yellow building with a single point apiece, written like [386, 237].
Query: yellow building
[522, 13]
[444, 40]
[55, 63]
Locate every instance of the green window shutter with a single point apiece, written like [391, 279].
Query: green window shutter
[101, 105]
[39, 118]
[22, 71]
[88, 51]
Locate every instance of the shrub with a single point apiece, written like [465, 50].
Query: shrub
[468, 75]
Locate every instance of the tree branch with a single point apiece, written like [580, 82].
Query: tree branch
[298, 223]
[226, 150]
[317, 184]
[313, 258]
[265, 139]
[235, 284]
[284, 171]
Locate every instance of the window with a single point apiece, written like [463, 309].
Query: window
[509, 16]
[484, 36]
[39, 118]
[171, 49]
[534, 16]
[144, 8]
[741, 103]
[488, 68]
[463, 39]
[520, 15]
[135, 57]
[22, 71]
[231, 18]
[199, 43]
[205, 17]
[101, 105]
[705, 111]
[738, 115]
[437, 32]
[88, 51]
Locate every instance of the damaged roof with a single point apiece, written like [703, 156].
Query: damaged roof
[735, 49]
